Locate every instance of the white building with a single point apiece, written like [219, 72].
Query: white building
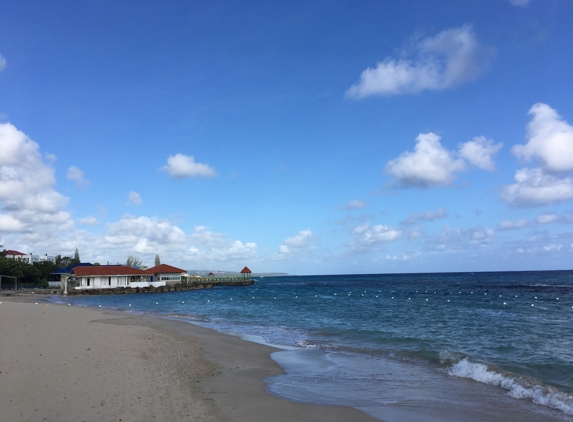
[112, 276]
[29, 258]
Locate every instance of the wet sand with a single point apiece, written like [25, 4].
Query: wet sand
[62, 363]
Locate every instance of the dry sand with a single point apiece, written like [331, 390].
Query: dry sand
[62, 363]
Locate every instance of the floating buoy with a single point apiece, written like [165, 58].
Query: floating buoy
[100, 306]
[504, 303]
[448, 300]
[532, 304]
[129, 304]
[157, 303]
[426, 300]
[184, 301]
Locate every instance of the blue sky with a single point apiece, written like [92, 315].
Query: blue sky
[308, 137]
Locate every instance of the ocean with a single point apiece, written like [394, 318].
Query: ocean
[415, 347]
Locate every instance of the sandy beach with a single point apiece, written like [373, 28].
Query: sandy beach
[63, 363]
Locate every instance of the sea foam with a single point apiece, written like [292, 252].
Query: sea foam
[518, 388]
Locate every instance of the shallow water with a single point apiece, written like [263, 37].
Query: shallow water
[390, 344]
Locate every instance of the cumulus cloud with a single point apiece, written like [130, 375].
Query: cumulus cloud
[550, 140]
[479, 152]
[28, 201]
[450, 58]
[3, 63]
[134, 198]
[512, 225]
[429, 165]
[77, 176]
[208, 246]
[367, 238]
[354, 204]
[90, 220]
[534, 188]
[440, 213]
[182, 166]
[292, 246]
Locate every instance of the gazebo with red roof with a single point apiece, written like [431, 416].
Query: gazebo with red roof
[246, 272]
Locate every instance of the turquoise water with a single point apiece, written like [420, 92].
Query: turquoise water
[376, 341]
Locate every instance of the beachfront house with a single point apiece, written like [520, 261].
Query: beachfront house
[109, 277]
[113, 276]
[166, 274]
[59, 276]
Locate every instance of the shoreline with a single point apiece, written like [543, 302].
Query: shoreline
[67, 363]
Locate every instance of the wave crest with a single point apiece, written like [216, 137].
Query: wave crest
[518, 388]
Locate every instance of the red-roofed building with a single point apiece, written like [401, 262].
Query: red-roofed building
[165, 273]
[112, 276]
[109, 277]
[246, 273]
[28, 258]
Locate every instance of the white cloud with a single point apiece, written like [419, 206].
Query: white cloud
[450, 58]
[512, 225]
[181, 166]
[134, 198]
[479, 152]
[429, 165]
[354, 204]
[77, 176]
[440, 213]
[29, 203]
[368, 238]
[3, 63]
[90, 220]
[534, 188]
[9, 224]
[293, 246]
[546, 218]
[521, 3]
[211, 247]
[550, 140]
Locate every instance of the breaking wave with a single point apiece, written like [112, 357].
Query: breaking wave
[518, 387]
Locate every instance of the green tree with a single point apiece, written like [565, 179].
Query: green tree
[157, 260]
[133, 261]
[45, 268]
[76, 259]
